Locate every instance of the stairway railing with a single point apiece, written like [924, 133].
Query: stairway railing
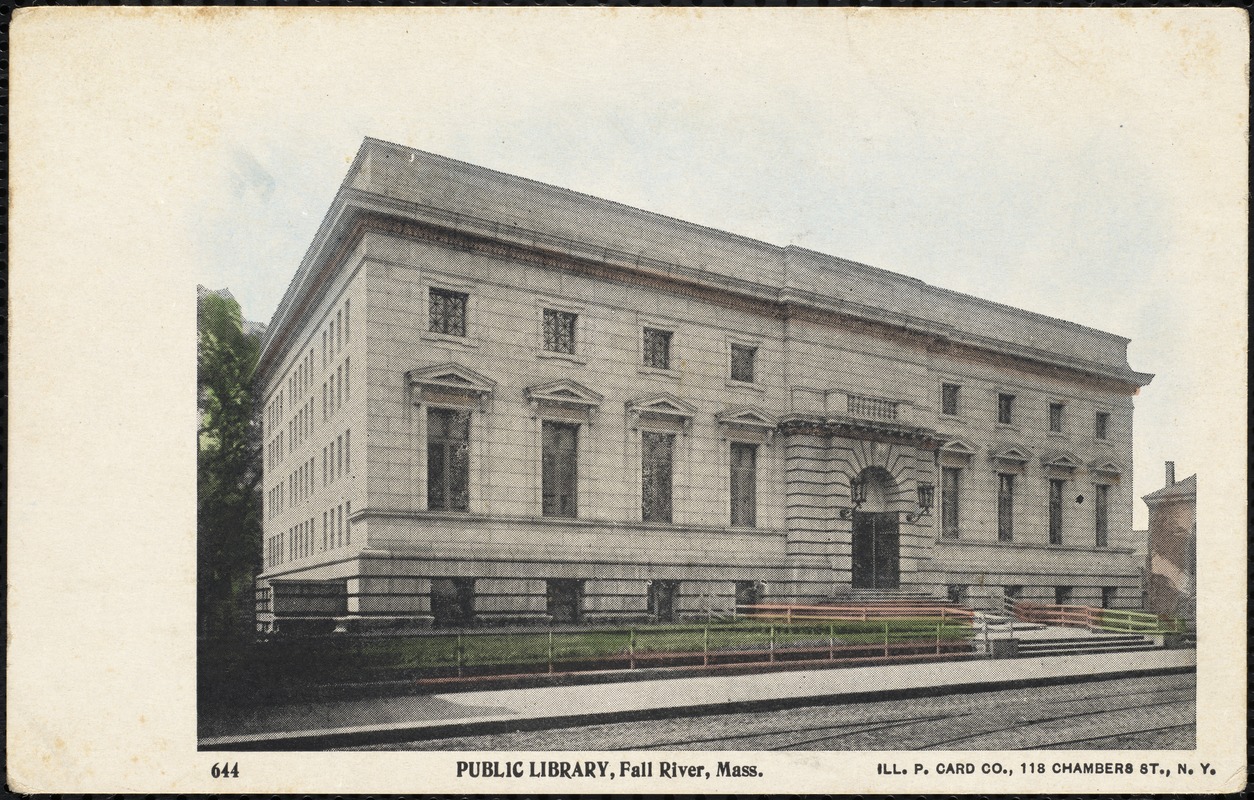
[1094, 619]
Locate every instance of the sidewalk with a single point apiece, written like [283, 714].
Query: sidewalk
[340, 723]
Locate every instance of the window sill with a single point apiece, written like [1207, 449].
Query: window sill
[447, 338]
[1008, 426]
[754, 387]
[953, 419]
[571, 357]
[665, 373]
[1057, 435]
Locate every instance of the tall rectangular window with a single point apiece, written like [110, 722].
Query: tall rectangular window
[339, 331]
[339, 387]
[348, 533]
[347, 329]
[448, 312]
[347, 379]
[1005, 508]
[656, 475]
[559, 331]
[742, 359]
[324, 349]
[559, 469]
[949, 399]
[744, 484]
[657, 348]
[448, 460]
[1005, 409]
[348, 469]
[1101, 425]
[1100, 500]
[951, 483]
[1055, 417]
[1055, 512]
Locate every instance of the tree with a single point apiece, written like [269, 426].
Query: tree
[228, 499]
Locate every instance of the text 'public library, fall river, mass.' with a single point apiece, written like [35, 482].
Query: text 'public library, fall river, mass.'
[493, 401]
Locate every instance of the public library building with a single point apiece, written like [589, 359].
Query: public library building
[491, 401]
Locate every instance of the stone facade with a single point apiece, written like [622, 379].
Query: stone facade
[759, 384]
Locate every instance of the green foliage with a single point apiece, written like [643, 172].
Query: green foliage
[228, 507]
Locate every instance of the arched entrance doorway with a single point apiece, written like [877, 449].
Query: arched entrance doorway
[876, 539]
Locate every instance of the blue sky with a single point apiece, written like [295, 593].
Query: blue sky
[1073, 164]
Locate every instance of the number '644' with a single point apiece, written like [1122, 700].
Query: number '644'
[225, 770]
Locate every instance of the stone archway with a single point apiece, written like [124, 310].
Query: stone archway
[876, 539]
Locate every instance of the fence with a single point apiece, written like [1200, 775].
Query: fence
[470, 653]
[1103, 619]
[921, 609]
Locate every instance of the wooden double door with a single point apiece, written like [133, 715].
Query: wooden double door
[876, 551]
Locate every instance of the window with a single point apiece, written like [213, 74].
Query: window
[956, 594]
[1005, 409]
[1055, 512]
[559, 469]
[662, 596]
[559, 331]
[448, 312]
[1005, 508]
[347, 329]
[452, 602]
[657, 465]
[949, 399]
[1100, 501]
[1062, 595]
[748, 593]
[1055, 417]
[951, 482]
[1013, 592]
[742, 358]
[339, 331]
[1109, 593]
[1101, 424]
[448, 460]
[563, 598]
[346, 379]
[348, 469]
[657, 348]
[744, 478]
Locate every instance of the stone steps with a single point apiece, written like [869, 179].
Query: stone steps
[1077, 645]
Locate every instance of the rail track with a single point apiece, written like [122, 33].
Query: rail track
[1134, 713]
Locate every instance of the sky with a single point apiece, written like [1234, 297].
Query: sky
[1088, 165]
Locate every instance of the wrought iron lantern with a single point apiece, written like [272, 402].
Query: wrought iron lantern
[927, 493]
[857, 493]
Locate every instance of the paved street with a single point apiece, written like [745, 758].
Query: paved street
[1156, 712]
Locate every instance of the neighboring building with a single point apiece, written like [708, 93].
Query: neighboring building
[493, 400]
[1171, 576]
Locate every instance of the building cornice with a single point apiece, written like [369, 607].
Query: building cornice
[357, 213]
